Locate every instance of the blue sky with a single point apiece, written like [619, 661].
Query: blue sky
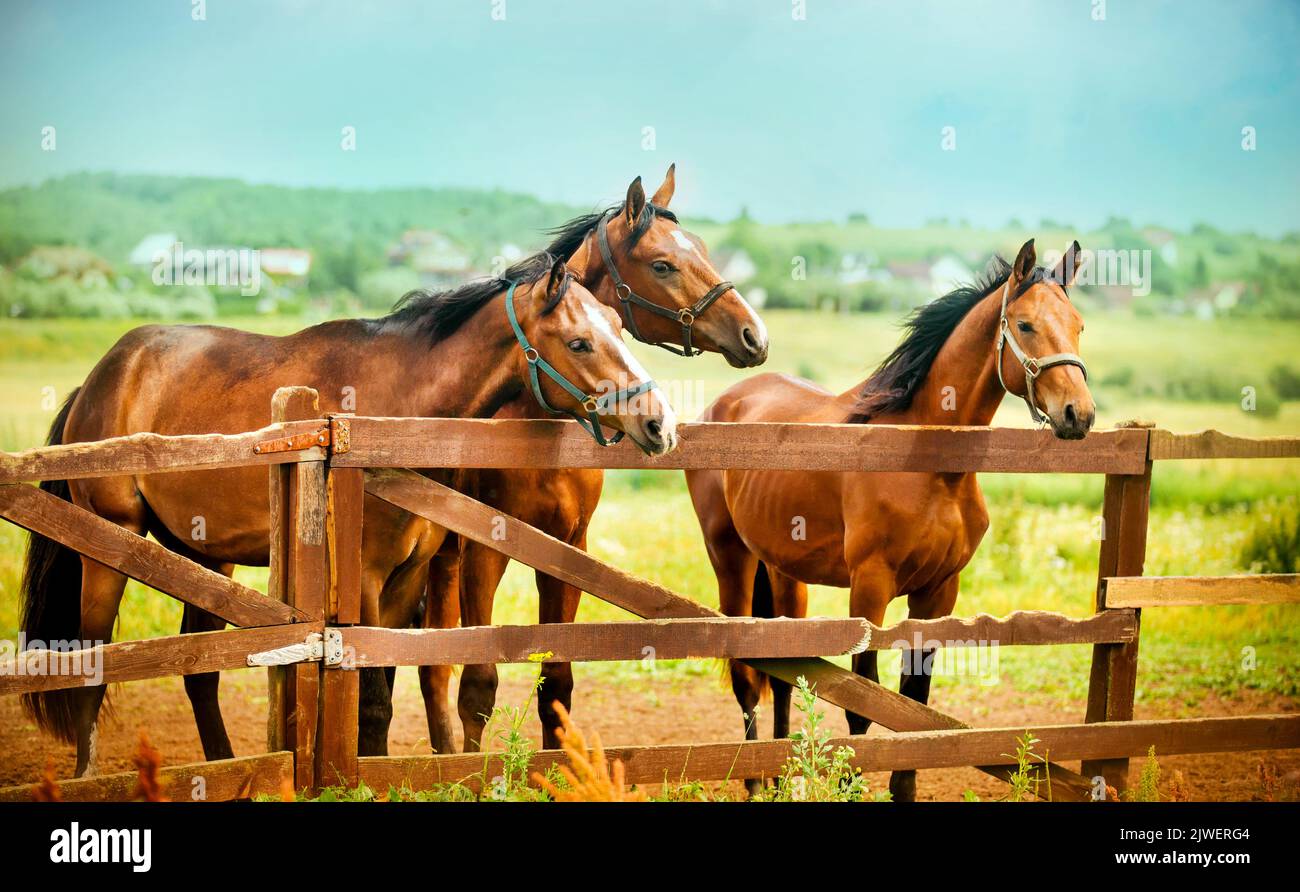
[1056, 114]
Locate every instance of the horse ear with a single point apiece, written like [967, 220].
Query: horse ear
[1068, 268]
[555, 284]
[635, 203]
[664, 193]
[1023, 267]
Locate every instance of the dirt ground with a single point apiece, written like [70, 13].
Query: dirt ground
[625, 709]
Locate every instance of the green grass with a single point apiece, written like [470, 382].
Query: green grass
[1039, 554]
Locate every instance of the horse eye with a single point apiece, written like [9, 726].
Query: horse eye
[661, 268]
[580, 345]
[1024, 326]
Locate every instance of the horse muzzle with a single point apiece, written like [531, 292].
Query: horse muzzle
[1073, 422]
[654, 434]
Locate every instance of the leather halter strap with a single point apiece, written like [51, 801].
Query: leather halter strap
[685, 316]
[1033, 366]
[592, 405]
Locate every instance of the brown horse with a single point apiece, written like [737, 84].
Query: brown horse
[884, 535]
[668, 293]
[449, 354]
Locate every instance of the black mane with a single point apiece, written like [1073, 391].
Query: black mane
[894, 383]
[570, 236]
[439, 313]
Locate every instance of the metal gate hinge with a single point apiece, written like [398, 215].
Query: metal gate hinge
[310, 650]
[295, 443]
[333, 647]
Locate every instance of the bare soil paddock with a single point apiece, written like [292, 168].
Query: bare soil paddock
[624, 710]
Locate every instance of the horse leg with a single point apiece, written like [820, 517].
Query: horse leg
[873, 585]
[375, 704]
[101, 594]
[789, 598]
[441, 611]
[735, 567]
[914, 680]
[116, 500]
[202, 687]
[557, 603]
[481, 569]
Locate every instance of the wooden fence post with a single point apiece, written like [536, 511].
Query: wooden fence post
[336, 751]
[299, 575]
[1112, 684]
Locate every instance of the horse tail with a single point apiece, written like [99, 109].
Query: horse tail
[51, 602]
[764, 606]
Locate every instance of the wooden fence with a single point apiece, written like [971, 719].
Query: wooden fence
[307, 630]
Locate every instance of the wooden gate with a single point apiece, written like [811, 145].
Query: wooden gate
[307, 629]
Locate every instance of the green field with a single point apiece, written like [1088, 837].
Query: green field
[1039, 554]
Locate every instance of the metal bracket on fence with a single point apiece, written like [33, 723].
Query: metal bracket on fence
[296, 443]
[333, 647]
[310, 650]
[340, 435]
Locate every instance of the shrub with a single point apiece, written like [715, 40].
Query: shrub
[1273, 546]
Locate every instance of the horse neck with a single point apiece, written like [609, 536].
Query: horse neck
[468, 374]
[965, 363]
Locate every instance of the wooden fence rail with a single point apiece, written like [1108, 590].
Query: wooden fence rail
[519, 443]
[47, 670]
[678, 763]
[140, 558]
[155, 453]
[245, 777]
[1191, 591]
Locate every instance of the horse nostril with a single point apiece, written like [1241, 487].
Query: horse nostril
[654, 430]
[1069, 414]
[750, 341]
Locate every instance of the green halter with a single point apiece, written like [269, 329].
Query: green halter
[592, 405]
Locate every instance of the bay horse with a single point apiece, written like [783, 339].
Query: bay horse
[884, 535]
[633, 257]
[458, 353]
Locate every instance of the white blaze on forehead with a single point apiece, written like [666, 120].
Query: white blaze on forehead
[601, 324]
[638, 371]
[683, 242]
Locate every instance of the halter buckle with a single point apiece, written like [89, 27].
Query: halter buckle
[1032, 368]
[623, 291]
[685, 316]
[591, 405]
[531, 354]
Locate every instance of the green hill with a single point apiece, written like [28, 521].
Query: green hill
[850, 265]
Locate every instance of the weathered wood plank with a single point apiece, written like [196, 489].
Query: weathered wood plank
[1213, 444]
[303, 517]
[147, 453]
[336, 750]
[461, 514]
[239, 778]
[151, 658]
[894, 752]
[470, 517]
[336, 742]
[346, 500]
[287, 404]
[1021, 627]
[1190, 591]
[1112, 682]
[545, 443]
[663, 639]
[140, 558]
